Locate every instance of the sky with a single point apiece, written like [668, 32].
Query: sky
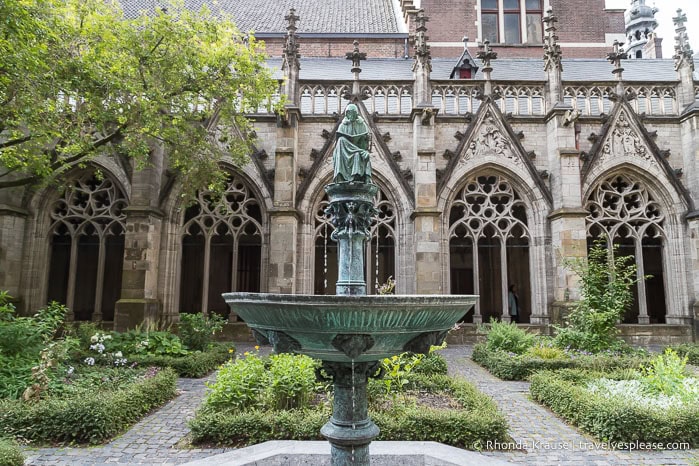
[667, 9]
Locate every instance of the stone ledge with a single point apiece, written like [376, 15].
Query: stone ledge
[316, 453]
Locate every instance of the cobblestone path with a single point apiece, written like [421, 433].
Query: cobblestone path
[544, 439]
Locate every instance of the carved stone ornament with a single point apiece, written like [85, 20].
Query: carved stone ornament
[624, 141]
[421, 344]
[490, 141]
[351, 217]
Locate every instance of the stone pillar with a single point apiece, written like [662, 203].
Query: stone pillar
[283, 237]
[426, 217]
[12, 224]
[568, 238]
[139, 284]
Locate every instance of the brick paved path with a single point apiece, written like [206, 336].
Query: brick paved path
[153, 440]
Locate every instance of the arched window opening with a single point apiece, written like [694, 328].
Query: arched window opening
[489, 214]
[221, 248]
[87, 248]
[379, 252]
[621, 210]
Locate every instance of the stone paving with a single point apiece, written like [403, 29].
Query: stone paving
[539, 437]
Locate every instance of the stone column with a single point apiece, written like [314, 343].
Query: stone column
[568, 238]
[139, 301]
[12, 224]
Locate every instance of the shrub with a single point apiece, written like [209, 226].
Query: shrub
[432, 364]
[542, 350]
[193, 365]
[615, 419]
[138, 341]
[197, 330]
[396, 370]
[508, 337]
[665, 373]
[471, 426]
[92, 417]
[292, 380]
[691, 351]
[606, 292]
[10, 453]
[240, 384]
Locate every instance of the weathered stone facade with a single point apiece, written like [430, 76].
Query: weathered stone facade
[484, 182]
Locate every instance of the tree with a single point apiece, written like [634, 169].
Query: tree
[79, 79]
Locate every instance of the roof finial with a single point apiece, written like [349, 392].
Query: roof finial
[465, 41]
[683, 51]
[552, 49]
[485, 54]
[422, 50]
[615, 58]
[291, 46]
[356, 56]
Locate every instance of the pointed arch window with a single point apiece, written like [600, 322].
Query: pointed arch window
[87, 247]
[489, 246]
[622, 211]
[221, 247]
[379, 255]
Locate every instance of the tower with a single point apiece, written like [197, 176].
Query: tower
[640, 25]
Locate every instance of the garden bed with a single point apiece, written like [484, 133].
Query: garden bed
[623, 408]
[10, 453]
[511, 366]
[415, 406]
[87, 415]
[195, 365]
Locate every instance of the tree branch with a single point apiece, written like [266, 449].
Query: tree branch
[14, 142]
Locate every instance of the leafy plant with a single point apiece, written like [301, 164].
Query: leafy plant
[665, 373]
[544, 350]
[10, 453]
[239, 384]
[508, 337]
[292, 380]
[397, 369]
[387, 288]
[197, 330]
[606, 283]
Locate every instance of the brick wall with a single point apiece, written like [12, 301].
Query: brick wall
[338, 47]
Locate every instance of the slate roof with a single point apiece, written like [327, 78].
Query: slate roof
[267, 16]
[504, 69]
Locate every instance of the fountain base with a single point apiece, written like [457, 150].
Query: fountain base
[317, 453]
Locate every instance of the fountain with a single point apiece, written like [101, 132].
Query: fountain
[350, 332]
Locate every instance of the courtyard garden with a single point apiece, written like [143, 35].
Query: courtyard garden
[77, 384]
[289, 397]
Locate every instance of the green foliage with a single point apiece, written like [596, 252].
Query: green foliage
[92, 417]
[612, 419]
[508, 337]
[689, 350]
[77, 78]
[387, 288]
[397, 369]
[665, 372]
[508, 366]
[470, 426]
[141, 342]
[292, 380]
[240, 384]
[546, 350]
[197, 330]
[432, 364]
[194, 365]
[10, 453]
[606, 288]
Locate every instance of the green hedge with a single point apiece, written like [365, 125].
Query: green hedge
[519, 367]
[90, 418]
[10, 453]
[194, 365]
[609, 419]
[691, 351]
[469, 427]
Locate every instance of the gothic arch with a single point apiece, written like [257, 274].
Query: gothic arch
[632, 208]
[401, 231]
[509, 214]
[217, 226]
[75, 236]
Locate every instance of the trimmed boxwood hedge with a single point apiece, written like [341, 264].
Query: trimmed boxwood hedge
[469, 427]
[10, 453]
[519, 367]
[609, 419]
[194, 365]
[90, 418]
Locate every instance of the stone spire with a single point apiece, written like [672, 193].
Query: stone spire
[640, 26]
[615, 58]
[553, 65]
[356, 56]
[684, 61]
[422, 64]
[486, 54]
[290, 60]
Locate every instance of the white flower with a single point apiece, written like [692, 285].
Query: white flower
[118, 354]
[120, 362]
[107, 337]
[144, 342]
[95, 338]
[90, 361]
[70, 370]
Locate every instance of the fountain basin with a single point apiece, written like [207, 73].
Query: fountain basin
[350, 328]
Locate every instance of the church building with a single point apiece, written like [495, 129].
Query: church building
[506, 137]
